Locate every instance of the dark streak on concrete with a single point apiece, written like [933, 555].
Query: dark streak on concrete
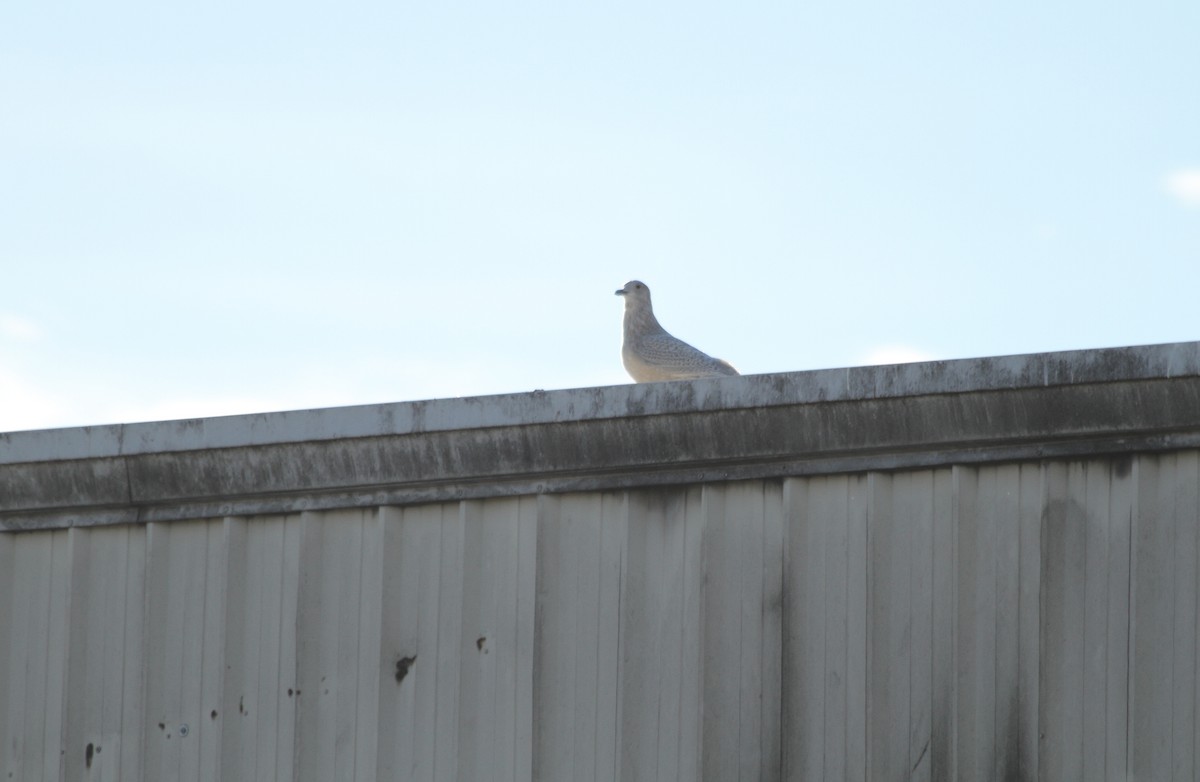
[87, 755]
[1122, 465]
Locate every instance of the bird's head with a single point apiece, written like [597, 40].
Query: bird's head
[635, 293]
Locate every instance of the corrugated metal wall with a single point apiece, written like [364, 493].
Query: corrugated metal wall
[1016, 621]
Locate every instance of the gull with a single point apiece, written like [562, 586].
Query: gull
[651, 354]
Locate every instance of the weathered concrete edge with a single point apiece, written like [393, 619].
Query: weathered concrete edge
[1083, 420]
[754, 391]
[1119, 450]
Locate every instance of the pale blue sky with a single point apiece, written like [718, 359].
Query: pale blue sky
[240, 207]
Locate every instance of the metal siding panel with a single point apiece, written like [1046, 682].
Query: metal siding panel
[742, 626]
[449, 647]
[175, 593]
[637, 694]
[371, 674]
[1095, 714]
[133, 695]
[804, 632]
[683, 518]
[286, 680]
[316, 648]
[1183, 662]
[976, 626]
[988, 628]
[346, 528]
[856, 634]
[477, 669]
[1029, 601]
[1188, 510]
[757, 616]
[651, 632]
[272, 746]
[580, 639]
[191, 678]
[397, 641]
[943, 743]
[327, 629]
[691, 664]
[1063, 551]
[1006, 519]
[689, 644]
[206, 731]
[1095, 615]
[84, 656]
[158, 635]
[771, 736]
[832, 509]
[314, 634]
[888, 632]
[236, 761]
[981, 669]
[409, 640]
[8, 641]
[28, 587]
[1117, 675]
[511, 743]
[915, 506]
[966, 631]
[49, 667]
[561, 523]
[98, 607]
[749, 571]
[58, 649]
[259, 687]
[825, 654]
[1153, 612]
[725, 533]
[525, 614]
[1070, 682]
[574, 607]
[613, 536]
[483, 560]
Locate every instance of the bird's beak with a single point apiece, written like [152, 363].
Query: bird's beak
[621, 292]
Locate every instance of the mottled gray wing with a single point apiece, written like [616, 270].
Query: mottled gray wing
[681, 359]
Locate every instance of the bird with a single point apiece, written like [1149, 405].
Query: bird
[650, 354]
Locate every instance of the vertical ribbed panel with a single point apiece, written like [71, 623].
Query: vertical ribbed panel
[825, 628]
[658, 590]
[1163, 680]
[577, 643]
[33, 648]
[1011, 621]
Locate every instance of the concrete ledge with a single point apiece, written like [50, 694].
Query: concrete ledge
[1077, 403]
